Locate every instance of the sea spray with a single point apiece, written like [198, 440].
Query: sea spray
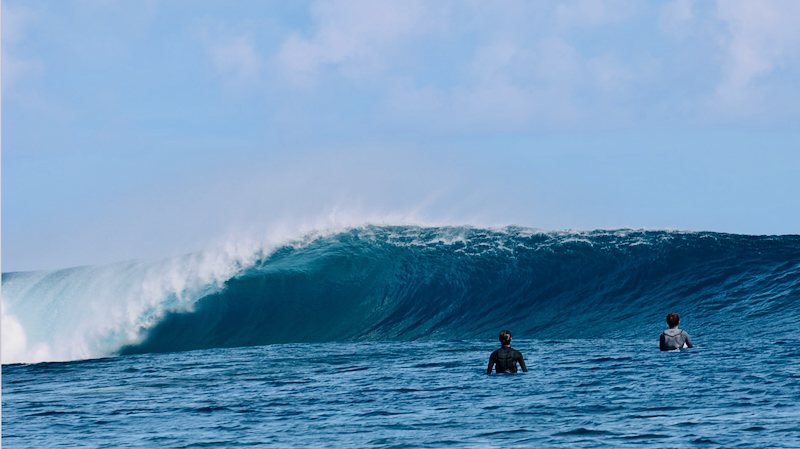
[88, 312]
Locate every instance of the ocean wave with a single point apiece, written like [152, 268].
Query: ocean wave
[410, 283]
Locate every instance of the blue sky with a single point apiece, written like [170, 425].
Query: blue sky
[151, 128]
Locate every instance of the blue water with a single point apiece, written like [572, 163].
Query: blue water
[380, 335]
[578, 393]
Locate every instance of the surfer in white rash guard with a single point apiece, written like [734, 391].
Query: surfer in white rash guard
[674, 338]
[505, 359]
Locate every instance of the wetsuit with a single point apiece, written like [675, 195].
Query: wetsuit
[505, 360]
[673, 339]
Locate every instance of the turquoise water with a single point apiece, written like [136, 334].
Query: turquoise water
[578, 393]
[406, 283]
[380, 336]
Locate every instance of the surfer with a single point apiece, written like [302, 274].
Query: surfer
[505, 359]
[674, 338]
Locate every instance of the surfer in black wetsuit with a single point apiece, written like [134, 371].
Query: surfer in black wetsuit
[674, 338]
[505, 359]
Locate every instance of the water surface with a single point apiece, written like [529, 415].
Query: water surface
[578, 393]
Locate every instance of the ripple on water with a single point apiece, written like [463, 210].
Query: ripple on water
[577, 394]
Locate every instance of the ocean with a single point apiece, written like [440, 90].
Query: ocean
[380, 336]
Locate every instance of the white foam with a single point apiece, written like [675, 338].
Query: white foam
[90, 312]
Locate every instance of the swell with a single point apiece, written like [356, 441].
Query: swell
[409, 283]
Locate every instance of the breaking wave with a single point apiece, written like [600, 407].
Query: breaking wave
[409, 283]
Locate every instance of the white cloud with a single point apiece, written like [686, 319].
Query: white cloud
[234, 57]
[546, 64]
[608, 74]
[557, 62]
[674, 17]
[594, 12]
[16, 70]
[524, 70]
[763, 38]
[17, 21]
[355, 35]
[509, 87]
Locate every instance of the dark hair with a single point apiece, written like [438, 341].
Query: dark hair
[505, 338]
[673, 319]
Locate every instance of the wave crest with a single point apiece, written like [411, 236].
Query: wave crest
[408, 282]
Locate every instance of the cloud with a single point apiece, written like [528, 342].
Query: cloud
[522, 66]
[17, 21]
[354, 36]
[234, 57]
[593, 12]
[511, 87]
[16, 70]
[762, 39]
[510, 67]
[674, 17]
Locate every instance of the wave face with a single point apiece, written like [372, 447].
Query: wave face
[410, 283]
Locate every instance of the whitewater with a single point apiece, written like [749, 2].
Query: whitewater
[379, 335]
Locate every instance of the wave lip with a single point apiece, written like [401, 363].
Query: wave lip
[92, 311]
[409, 283]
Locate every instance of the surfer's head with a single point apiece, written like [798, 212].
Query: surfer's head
[505, 338]
[673, 320]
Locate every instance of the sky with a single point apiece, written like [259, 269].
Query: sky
[141, 130]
